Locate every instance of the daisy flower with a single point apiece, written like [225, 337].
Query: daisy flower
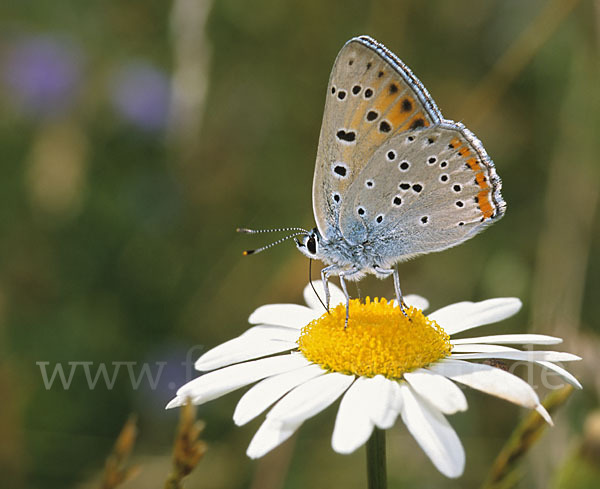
[383, 365]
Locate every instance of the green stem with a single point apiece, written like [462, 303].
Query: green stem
[376, 471]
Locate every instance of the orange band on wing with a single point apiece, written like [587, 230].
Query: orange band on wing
[455, 143]
[473, 165]
[480, 180]
[417, 121]
[483, 199]
[401, 111]
[484, 204]
[464, 152]
[384, 100]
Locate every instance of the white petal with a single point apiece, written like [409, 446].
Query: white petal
[550, 366]
[562, 372]
[444, 394]
[353, 426]
[177, 401]
[220, 382]
[337, 296]
[544, 414]
[494, 348]
[387, 402]
[527, 356]
[490, 380]
[512, 339]
[240, 350]
[226, 348]
[433, 433]
[269, 390]
[310, 398]
[270, 332]
[475, 348]
[466, 315]
[289, 315]
[271, 434]
[416, 301]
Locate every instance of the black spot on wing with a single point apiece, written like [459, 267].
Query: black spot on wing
[384, 126]
[417, 123]
[340, 170]
[349, 136]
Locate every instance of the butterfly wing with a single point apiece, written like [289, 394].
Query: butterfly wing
[423, 191]
[371, 96]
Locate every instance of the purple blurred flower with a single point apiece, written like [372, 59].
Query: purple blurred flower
[140, 94]
[162, 372]
[42, 74]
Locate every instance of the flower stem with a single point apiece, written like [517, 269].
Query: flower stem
[376, 470]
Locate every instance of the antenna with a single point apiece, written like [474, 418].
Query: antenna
[275, 230]
[298, 232]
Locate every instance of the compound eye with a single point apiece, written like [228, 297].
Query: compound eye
[311, 244]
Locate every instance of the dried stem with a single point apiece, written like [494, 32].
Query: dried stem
[115, 471]
[505, 473]
[188, 449]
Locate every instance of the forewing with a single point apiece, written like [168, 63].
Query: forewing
[423, 191]
[371, 96]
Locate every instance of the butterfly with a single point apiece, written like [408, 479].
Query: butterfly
[393, 179]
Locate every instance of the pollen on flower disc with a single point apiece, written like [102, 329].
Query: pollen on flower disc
[379, 339]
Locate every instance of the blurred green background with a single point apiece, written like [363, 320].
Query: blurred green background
[136, 136]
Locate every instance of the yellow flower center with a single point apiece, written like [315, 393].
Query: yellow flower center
[379, 339]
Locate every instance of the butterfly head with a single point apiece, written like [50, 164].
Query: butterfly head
[309, 243]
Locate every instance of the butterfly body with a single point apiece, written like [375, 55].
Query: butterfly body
[393, 179]
[357, 259]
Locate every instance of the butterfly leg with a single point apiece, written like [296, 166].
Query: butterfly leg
[325, 273]
[399, 298]
[345, 289]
